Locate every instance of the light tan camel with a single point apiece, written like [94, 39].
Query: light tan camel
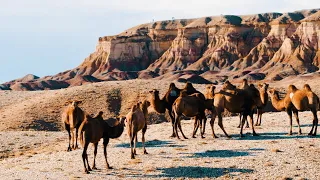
[305, 100]
[189, 106]
[91, 131]
[284, 104]
[72, 117]
[236, 101]
[136, 120]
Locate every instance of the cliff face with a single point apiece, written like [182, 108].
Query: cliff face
[268, 46]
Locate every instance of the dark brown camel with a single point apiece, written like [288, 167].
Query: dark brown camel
[92, 130]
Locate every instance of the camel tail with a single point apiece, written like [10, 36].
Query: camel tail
[81, 132]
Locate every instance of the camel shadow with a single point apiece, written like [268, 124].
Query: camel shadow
[196, 172]
[273, 136]
[219, 154]
[152, 143]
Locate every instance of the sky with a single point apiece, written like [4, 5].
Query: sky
[44, 37]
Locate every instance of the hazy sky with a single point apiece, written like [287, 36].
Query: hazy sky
[45, 37]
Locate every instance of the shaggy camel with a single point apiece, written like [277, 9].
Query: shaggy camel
[236, 101]
[136, 120]
[72, 117]
[284, 104]
[244, 85]
[305, 100]
[91, 131]
[165, 103]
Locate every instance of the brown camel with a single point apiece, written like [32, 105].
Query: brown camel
[264, 100]
[305, 100]
[244, 85]
[165, 103]
[72, 117]
[236, 101]
[284, 104]
[92, 130]
[136, 121]
[189, 106]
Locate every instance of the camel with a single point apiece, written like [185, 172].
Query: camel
[262, 104]
[284, 104]
[72, 117]
[165, 103]
[244, 85]
[91, 130]
[236, 101]
[305, 100]
[136, 120]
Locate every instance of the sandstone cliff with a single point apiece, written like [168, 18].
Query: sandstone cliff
[267, 46]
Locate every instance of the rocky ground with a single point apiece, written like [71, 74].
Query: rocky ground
[272, 155]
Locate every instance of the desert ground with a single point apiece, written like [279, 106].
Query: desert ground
[33, 143]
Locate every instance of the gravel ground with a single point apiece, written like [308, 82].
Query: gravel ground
[272, 155]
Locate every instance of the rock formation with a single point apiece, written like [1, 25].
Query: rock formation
[267, 46]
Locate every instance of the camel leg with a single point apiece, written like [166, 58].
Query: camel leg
[258, 116]
[177, 118]
[105, 144]
[179, 125]
[135, 144]
[195, 127]
[289, 112]
[247, 123]
[204, 126]
[314, 124]
[200, 123]
[132, 144]
[221, 125]
[251, 123]
[72, 137]
[244, 117]
[85, 157]
[298, 121]
[76, 146]
[213, 117]
[95, 154]
[239, 121]
[67, 126]
[172, 123]
[143, 138]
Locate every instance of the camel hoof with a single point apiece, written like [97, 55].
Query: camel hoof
[94, 168]
[241, 136]
[172, 136]
[145, 152]
[194, 136]
[185, 137]
[214, 136]
[314, 135]
[203, 137]
[229, 137]
[86, 172]
[109, 167]
[289, 134]
[69, 149]
[255, 134]
[238, 126]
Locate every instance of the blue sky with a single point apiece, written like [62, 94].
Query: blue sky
[45, 37]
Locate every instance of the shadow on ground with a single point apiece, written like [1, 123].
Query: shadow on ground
[197, 172]
[273, 136]
[153, 143]
[219, 154]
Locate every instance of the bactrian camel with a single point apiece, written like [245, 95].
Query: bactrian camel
[136, 120]
[92, 130]
[72, 117]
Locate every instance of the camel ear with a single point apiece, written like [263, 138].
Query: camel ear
[150, 92]
[78, 102]
[260, 85]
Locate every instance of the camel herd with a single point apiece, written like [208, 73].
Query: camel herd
[187, 102]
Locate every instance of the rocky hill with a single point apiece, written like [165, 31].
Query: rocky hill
[259, 47]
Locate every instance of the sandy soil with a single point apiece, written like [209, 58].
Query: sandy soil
[272, 155]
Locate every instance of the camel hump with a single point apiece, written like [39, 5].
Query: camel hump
[292, 88]
[307, 87]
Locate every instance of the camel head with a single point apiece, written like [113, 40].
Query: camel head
[272, 92]
[183, 93]
[210, 91]
[154, 94]
[145, 104]
[307, 87]
[189, 87]
[263, 87]
[172, 86]
[292, 88]
[121, 120]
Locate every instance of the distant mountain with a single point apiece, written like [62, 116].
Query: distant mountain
[259, 47]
